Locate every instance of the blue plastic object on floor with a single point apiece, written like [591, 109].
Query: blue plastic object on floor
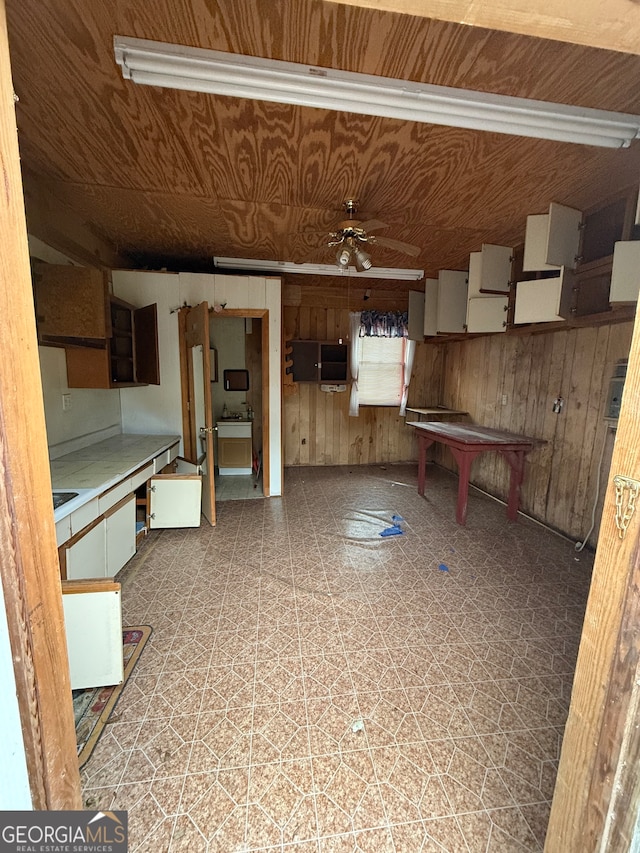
[443, 568]
[392, 531]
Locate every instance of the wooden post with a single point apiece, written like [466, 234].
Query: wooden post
[28, 555]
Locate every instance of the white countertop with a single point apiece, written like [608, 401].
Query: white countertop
[98, 467]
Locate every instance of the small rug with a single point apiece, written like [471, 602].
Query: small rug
[93, 706]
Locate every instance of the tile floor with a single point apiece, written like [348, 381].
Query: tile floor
[311, 686]
[238, 487]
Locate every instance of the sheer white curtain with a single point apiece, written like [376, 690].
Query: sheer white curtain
[409, 352]
[354, 331]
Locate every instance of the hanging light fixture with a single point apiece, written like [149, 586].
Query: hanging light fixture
[343, 256]
[362, 259]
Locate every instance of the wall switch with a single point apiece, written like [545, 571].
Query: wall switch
[66, 402]
[504, 399]
[558, 405]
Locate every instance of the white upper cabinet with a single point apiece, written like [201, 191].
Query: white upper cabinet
[625, 273]
[452, 301]
[416, 315]
[490, 270]
[552, 239]
[543, 300]
[487, 313]
[488, 292]
[430, 307]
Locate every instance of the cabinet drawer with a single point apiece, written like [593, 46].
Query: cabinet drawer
[141, 476]
[84, 515]
[111, 498]
[161, 460]
[234, 430]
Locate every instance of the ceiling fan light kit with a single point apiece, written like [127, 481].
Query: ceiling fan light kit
[215, 72]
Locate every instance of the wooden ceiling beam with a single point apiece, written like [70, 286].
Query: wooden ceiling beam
[614, 25]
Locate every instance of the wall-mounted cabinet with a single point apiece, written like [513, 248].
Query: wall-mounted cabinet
[543, 300]
[430, 307]
[487, 314]
[570, 239]
[72, 305]
[452, 301]
[552, 240]
[488, 291]
[625, 272]
[490, 270]
[108, 343]
[415, 322]
[319, 361]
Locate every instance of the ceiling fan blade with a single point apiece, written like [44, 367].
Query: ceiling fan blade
[398, 245]
[372, 225]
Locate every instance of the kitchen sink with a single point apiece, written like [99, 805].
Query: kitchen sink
[60, 498]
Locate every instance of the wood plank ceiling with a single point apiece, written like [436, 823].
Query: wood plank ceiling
[172, 178]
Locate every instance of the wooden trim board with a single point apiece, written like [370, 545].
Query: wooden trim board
[28, 553]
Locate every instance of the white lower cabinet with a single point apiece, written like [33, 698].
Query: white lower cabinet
[86, 557]
[93, 623]
[175, 500]
[121, 535]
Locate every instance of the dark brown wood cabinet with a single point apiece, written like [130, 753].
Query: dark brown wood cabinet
[602, 227]
[108, 342]
[319, 361]
[72, 305]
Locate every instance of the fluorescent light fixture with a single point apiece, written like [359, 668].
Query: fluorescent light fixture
[316, 269]
[199, 70]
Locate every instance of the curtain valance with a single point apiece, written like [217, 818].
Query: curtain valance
[384, 324]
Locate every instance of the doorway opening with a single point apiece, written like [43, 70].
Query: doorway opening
[236, 343]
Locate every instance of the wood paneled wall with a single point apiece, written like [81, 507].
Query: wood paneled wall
[504, 381]
[510, 382]
[317, 427]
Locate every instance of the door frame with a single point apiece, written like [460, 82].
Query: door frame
[33, 600]
[261, 314]
[31, 585]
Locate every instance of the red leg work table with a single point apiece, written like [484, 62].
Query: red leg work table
[466, 442]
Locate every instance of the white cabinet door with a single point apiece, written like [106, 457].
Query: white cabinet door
[93, 623]
[625, 273]
[87, 558]
[416, 315]
[452, 301]
[121, 536]
[175, 500]
[552, 239]
[490, 270]
[487, 313]
[430, 307]
[539, 301]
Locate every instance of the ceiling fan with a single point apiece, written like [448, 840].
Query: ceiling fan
[353, 236]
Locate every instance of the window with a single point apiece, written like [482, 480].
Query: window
[381, 358]
[381, 371]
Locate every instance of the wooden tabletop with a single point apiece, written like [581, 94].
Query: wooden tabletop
[470, 434]
[435, 410]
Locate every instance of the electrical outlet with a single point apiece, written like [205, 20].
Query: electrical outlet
[66, 402]
[504, 399]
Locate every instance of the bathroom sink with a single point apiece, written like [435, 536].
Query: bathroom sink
[60, 498]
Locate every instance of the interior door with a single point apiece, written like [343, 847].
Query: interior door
[195, 327]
